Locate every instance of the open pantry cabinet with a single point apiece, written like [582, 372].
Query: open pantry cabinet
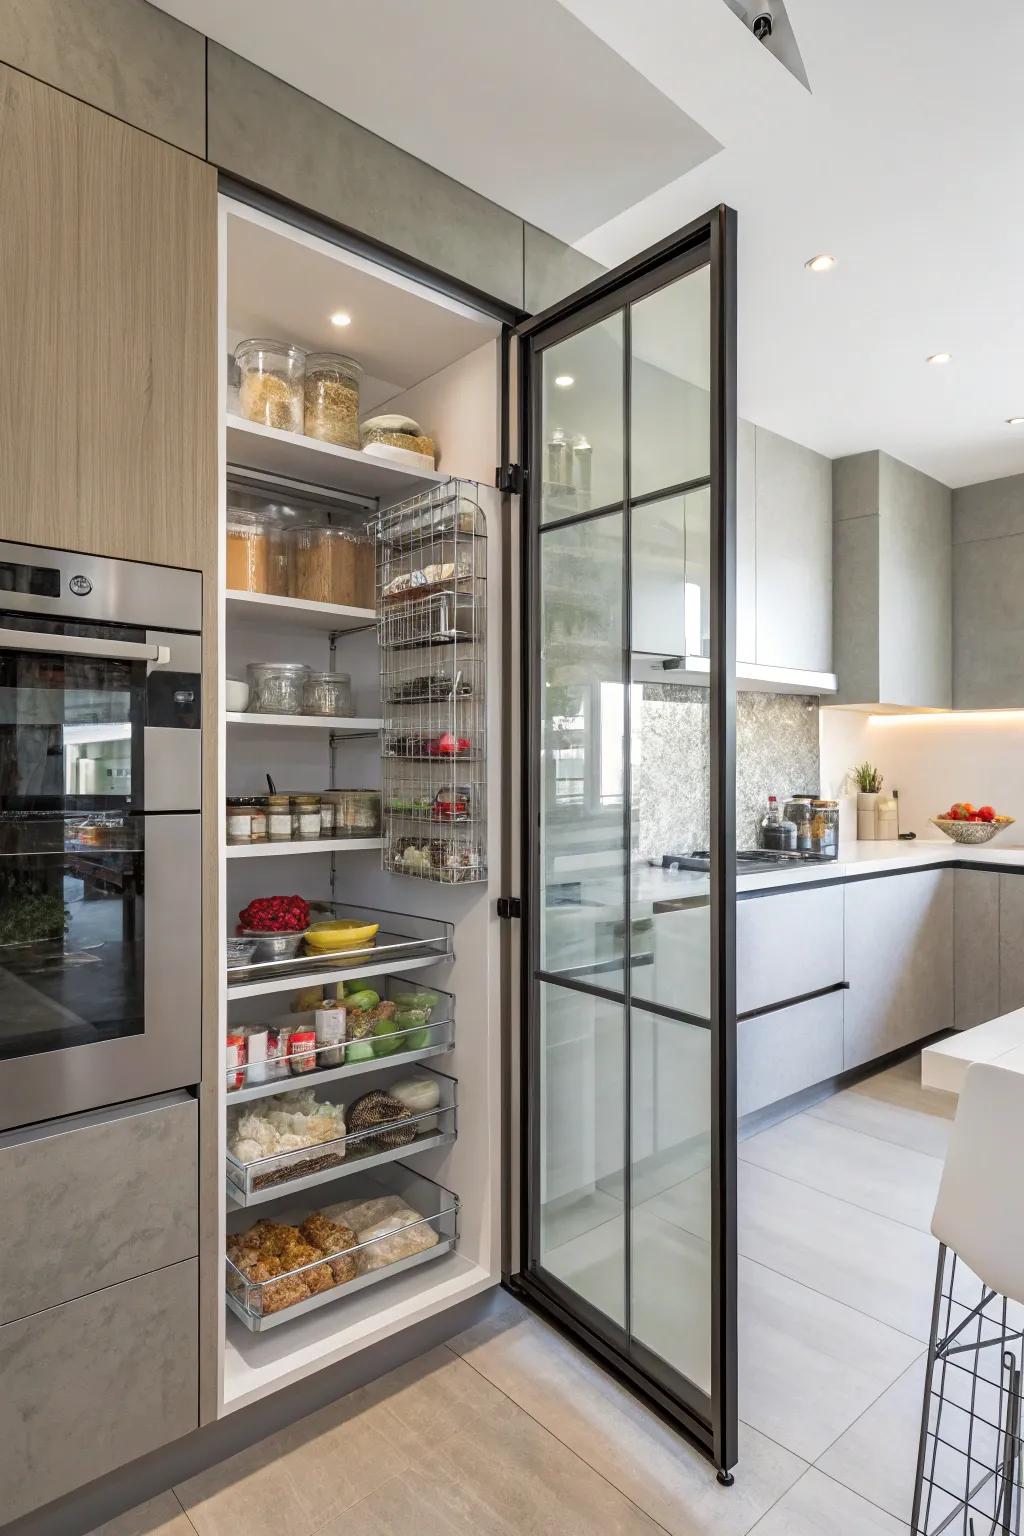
[436, 358]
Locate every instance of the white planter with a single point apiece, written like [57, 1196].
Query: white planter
[867, 817]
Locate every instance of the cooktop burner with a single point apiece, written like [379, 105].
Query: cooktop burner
[747, 858]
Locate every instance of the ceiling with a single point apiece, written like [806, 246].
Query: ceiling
[600, 122]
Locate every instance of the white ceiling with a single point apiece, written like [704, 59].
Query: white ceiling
[905, 159]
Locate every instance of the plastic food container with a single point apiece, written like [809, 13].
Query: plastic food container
[332, 398]
[275, 687]
[398, 432]
[331, 565]
[271, 381]
[327, 693]
[248, 553]
[356, 811]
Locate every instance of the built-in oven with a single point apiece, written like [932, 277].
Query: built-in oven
[100, 851]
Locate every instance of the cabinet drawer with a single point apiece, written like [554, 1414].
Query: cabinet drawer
[780, 1053]
[788, 945]
[92, 1384]
[94, 1199]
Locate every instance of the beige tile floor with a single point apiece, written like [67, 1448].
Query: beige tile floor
[508, 1429]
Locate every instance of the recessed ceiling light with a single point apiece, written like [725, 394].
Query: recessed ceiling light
[564, 380]
[941, 357]
[1015, 421]
[340, 317]
[822, 263]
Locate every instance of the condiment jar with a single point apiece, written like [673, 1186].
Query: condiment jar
[270, 386]
[279, 818]
[327, 693]
[275, 687]
[239, 820]
[305, 817]
[825, 828]
[798, 810]
[332, 398]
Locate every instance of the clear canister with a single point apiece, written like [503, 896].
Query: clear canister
[305, 818]
[356, 812]
[798, 810]
[279, 819]
[331, 409]
[276, 687]
[271, 383]
[327, 693]
[331, 565]
[825, 828]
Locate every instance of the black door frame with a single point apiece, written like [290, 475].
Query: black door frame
[711, 1420]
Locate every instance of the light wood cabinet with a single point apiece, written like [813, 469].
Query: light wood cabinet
[108, 290]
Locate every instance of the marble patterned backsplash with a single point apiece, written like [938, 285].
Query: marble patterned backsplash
[776, 753]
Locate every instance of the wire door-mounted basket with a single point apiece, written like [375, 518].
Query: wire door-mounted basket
[431, 554]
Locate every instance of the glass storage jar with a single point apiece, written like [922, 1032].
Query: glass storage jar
[305, 818]
[279, 818]
[248, 553]
[247, 819]
[332, 398]
[327, 693]
[275, 687]
[356, 812]
[326, 817]
[798, 810]
[270, 385]
[331, 565]
[825, 828]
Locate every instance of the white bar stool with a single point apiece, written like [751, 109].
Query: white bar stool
[969, 1460]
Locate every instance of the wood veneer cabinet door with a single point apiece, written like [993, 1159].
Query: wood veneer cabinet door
[108, 286]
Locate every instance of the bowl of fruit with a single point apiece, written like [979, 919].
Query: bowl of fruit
[277, 923]
[965, 823]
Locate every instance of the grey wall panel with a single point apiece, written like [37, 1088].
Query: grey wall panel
[855, 610]
[976, 947]
[915, 587]
[96, 1199]
[130, 60]
[271, 134]
[855, 486]
[780, 1053]
[552, 270]
[91, 1385]
[992, 510]
[988, 624]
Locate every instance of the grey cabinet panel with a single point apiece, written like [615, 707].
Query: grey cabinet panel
[89, 1201]
[915, 556]
[93, 1384]
[855, 486]
[988, 624]
[976, 947]
[552, 270]
[856, 607]
[992, 510]
[793, 486]
[899, 962]
[788, 945]
[131, 60]
[746, 544]
[1011, 943]
[269, 133]
[780, 1053]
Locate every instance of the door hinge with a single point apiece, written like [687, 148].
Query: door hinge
[509, 906]
[511, 480]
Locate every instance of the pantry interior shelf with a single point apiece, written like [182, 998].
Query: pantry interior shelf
[240, 1195]
[264, 608]
[253, 446]
[326, 975]
[339, 725]
[325, 845]
[444, 1042]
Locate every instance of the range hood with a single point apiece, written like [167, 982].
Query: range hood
[751, 676]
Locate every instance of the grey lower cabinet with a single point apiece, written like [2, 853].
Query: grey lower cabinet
[788, 945]
[92, 1384]
[1011, 943]
[976, 945]
[899, 962]
[780, 1053]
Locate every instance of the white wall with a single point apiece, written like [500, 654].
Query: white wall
[932, 760]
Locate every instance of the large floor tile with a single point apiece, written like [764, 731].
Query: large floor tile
[817, 1506]
[877, 1175]
[877, 1456]
[894, 1107]
[606, 1426]
[512, 1480]
[809, 1367]
[868, 1262]
[571, 1217]
[162, 1516]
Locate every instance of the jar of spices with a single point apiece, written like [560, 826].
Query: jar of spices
[327, 693]
[271, 381]
[279, 818]
[332, 398]
[305, 817]
[798, 810]
[247, 819]
[275, 687]
[825, 828]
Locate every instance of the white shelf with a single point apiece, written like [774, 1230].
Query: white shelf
[262, 607]
[252, 446]
[325, 845]
[341, 725]
[298, 981]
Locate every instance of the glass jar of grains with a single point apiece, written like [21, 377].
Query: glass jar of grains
[327, 693]
[248, 553]
[825, 828]
[279, 818]
[305, 817]
[331, 565]
[271, 382]
[275, 687]
[332, 398]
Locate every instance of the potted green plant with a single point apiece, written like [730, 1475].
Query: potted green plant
[869, 785]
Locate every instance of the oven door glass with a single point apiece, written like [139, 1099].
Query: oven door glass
[72, 931]
[72, 711]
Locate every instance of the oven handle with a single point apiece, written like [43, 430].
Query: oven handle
[79, 645]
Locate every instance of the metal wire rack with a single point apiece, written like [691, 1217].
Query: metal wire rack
[969, 1460]
[432, 627]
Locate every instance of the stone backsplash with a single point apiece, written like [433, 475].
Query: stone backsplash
[776, 753]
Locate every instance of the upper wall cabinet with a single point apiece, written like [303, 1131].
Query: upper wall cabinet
[792, 553]
[108, 306]
[892, 580]
[988, 575]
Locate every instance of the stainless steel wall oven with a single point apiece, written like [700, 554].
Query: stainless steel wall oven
[100, 854]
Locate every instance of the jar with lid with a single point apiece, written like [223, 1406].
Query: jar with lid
[331, 408]
[331, 565]
[326, 816]
[275, 687]
[825, 828]
[248, 553]
[327, 693]
[247, 819]
[798, 810]
[356, 812]
[271, 380]
[305, 818]
[279, 819]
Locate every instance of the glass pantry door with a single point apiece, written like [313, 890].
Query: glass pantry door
[629, 1098]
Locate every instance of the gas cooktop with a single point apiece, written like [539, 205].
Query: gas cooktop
[746, 859]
